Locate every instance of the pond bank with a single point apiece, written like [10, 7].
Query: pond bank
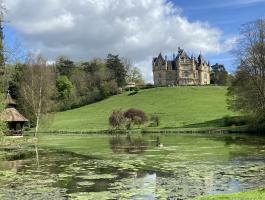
[209, 130]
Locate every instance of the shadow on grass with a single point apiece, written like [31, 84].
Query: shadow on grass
[211, 123]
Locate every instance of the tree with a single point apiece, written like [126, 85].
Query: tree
[136, 116]
[2, 106]
[64, 66]
[117, 119]
[37, 88]
[15, 80]
[64, 87]
[133, 74]
[2, 57]
[247, 90]
[219, 75]
[117, 69]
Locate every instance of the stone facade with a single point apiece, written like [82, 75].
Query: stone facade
[182, 70]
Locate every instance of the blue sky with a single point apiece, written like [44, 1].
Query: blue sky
[226, 15]
[136, 29]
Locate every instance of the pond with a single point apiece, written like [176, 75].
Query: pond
[132, 167]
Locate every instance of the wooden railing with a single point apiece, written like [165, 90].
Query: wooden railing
[13, 133]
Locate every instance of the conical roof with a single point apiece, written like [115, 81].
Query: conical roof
[9, 100]
[12, 115]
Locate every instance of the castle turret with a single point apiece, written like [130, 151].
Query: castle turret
[200, 59]
[182, 70]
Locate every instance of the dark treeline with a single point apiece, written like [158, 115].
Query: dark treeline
[68, 84]
[219, 75]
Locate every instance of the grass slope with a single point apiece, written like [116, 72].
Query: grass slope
[177, 107]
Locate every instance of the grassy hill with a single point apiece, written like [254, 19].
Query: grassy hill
[176, 106]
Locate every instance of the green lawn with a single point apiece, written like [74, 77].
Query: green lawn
[177, 107]
[251, 195]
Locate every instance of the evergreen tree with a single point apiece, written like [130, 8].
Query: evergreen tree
[219, 75]
[65, 66]
[2, 58]
[117, 69]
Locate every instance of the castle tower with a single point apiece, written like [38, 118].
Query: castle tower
[181, 70]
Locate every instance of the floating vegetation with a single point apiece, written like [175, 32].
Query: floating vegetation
[184, 168]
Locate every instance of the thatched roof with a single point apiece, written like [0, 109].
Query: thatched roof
[12, 115]
[9, 100]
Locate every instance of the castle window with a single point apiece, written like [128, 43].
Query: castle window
[185, 74]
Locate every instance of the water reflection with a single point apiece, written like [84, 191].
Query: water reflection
[128, 144]
[186, 167]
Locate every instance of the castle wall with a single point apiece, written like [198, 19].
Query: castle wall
[181, 71]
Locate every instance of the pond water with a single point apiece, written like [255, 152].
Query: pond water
[132, 167]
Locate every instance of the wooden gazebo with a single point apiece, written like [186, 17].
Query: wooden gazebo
[12, 117]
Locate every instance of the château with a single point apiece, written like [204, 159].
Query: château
[181, 70]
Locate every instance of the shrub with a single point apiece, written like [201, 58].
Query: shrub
[136, 116]
[117, 119]
[155, 120]
[235, 121]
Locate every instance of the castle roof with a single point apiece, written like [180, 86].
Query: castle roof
[159, 58]
[182, 54]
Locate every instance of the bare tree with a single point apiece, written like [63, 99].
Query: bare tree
[37, 88]
[247, 92]
[133, 74]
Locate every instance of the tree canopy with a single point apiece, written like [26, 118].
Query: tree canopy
[247, 91]
[219, 75]
[117, 69]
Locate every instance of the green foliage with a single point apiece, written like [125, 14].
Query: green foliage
[247, 91]
[249, 195]
[117, 69]
[2, 124]
[176, 107]
[64, 87]
[155, 120]
[235, 121]
[15, 81]
[65, 66]
[2, 57]
[134, 75]
[219, 75]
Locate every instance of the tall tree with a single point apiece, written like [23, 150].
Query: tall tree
[64, 87]
[37, 88]
[2, 106]
[219, 75]
[247, 91]
[133, 74]
[65, 66]
[117, 69]
[2, 58]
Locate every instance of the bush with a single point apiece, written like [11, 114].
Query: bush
[235, 121]
[155, 120]
[136, 116]
[117, 119]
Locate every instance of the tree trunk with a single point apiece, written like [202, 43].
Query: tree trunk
[37, 126]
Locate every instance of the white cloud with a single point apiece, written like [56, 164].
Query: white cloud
[83, 29]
